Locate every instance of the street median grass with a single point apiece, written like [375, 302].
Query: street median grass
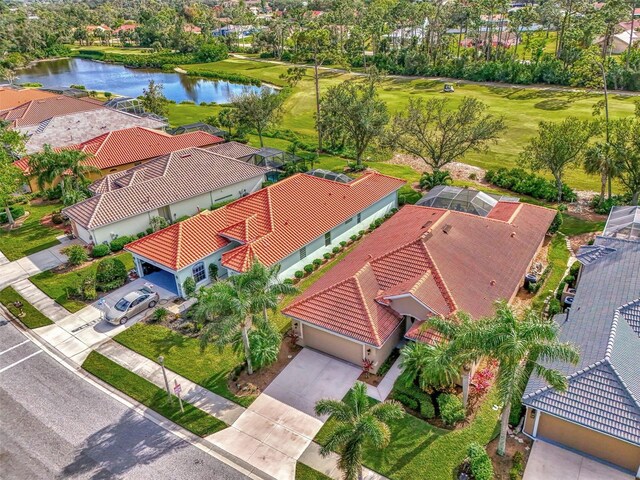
[32, 318]
[420, 450]
[55, 285]
[193, 419]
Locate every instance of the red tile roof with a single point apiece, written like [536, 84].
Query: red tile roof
[131, 145]
[271, 223]
[11, 97]
[449, 261]
[35, 111]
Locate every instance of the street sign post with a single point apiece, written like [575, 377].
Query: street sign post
[177, 389]
[166, 382]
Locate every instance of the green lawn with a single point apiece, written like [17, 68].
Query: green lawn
[522, 108]
[307, 473]
[32, 318]
[558, 257]
[55, 284]
[576, 226]
[145, 392]
[31, 237]
[420, 450]
[184, 113]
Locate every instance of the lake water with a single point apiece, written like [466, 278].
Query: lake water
[128, 81]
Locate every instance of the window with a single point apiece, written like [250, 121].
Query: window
[359, 217]
[198, 272]
[222, 199]
[327, 239]
[303, 252]
[348, 221]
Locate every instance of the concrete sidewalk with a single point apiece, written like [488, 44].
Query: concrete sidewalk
[36, 297]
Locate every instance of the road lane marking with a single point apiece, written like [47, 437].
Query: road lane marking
[20, 361]
[15, 346]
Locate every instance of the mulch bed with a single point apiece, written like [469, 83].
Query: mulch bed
[47, 222]
[502, 464]
[245, 384]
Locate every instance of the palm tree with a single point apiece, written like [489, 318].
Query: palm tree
[359, 423]
[522, 346]
[428, 365]
[226, 309]
[67, 165]
[267, 288]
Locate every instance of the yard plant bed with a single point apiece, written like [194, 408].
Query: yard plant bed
[420, 450]
[32, 317]
[145, 392]
[209, 369]
[55, 282]
[503, 464]
[32, 236]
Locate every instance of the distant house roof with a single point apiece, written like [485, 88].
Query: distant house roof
[36, 111]
[177, 176]
[131, 145]
[103, 27]
[270, 224]
[604, 323]
[14, 97]
[190, 28]
[76, 128]
[446, 260]
[126, 27]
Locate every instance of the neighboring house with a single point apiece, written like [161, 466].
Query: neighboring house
[123, 149]
[76, 128]
[190, 28]
[620, 41]
[98, 28]
[181, 183]
[126, 27]
[290, 223]
[14, 97]
[28, 116]
[421, 262]
[599, 414]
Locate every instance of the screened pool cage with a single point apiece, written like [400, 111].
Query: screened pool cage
[623, 222]
[462, 200]
[133, 106]
[273, 158]
[199, 127]
[329, 175]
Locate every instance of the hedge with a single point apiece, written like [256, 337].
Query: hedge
[451, 409]
[422, 400]
[480, 463]
[520, 181]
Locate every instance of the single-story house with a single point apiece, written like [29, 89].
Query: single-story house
[421, 262]
[14, 97]
[181, 183]
[290, 223]
[123, 149]
[620, 41]
[599, 414]
[29, 116]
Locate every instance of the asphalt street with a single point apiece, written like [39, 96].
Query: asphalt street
[54, 424]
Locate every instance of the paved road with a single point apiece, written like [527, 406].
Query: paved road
[53, 424]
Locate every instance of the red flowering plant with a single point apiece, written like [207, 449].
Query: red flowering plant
[483, 378]
[367, 365]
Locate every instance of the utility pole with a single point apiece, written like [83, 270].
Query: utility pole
[166, 382]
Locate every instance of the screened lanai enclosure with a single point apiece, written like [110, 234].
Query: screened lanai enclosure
[623, 222]
[462, 200]
[329, 175]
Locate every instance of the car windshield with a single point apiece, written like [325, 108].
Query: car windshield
[122, 305]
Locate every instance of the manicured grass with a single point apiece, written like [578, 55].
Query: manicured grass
[420, 450]
[32, 318]
[522, 108]
[145, 392]
[31, 237]
[576, 226]
[112, 49]
[184, 113]
[307, 473]
[55, 284]
[182, 354]
[557, 257]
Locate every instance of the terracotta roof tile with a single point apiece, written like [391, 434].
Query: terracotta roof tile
[35, 111]
[12, 98]
[447, 260]
[284, 217]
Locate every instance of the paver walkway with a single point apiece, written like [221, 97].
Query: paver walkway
[41, 301]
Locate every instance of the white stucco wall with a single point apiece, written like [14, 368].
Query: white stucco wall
[317, 248]
[189, 206]
[215, 257]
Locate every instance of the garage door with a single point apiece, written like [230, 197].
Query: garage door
[332, 344]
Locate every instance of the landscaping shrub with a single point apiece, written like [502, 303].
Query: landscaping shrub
[308, 268]
[111, 273]
[451, 409]
[118, 244]
[158, 223]
[189, 287]
[317, 262]
[265, 345]
[519, 181]
[517, 467]
[554, 307]
[220, 204]
[182, 218]
[327, 256]
[84, 288]
[139, 235]
[406, 400]
[159, 314]
[353, 238]
[101, 250]
[427, 410]
[343, 244]
[16, 212]
[336, 250]
[76, 254]
[480, 463]
[423, 402]
[57, 218]
[299, 274]
[149, 231]
[608, 203]
[213, 272]
[430, 180]
[556, 224]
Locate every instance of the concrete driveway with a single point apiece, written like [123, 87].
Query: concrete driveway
[77, 334]
[551, 462]
[280, 424]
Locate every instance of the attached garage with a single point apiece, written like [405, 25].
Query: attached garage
[331, 344]
[612, 450]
